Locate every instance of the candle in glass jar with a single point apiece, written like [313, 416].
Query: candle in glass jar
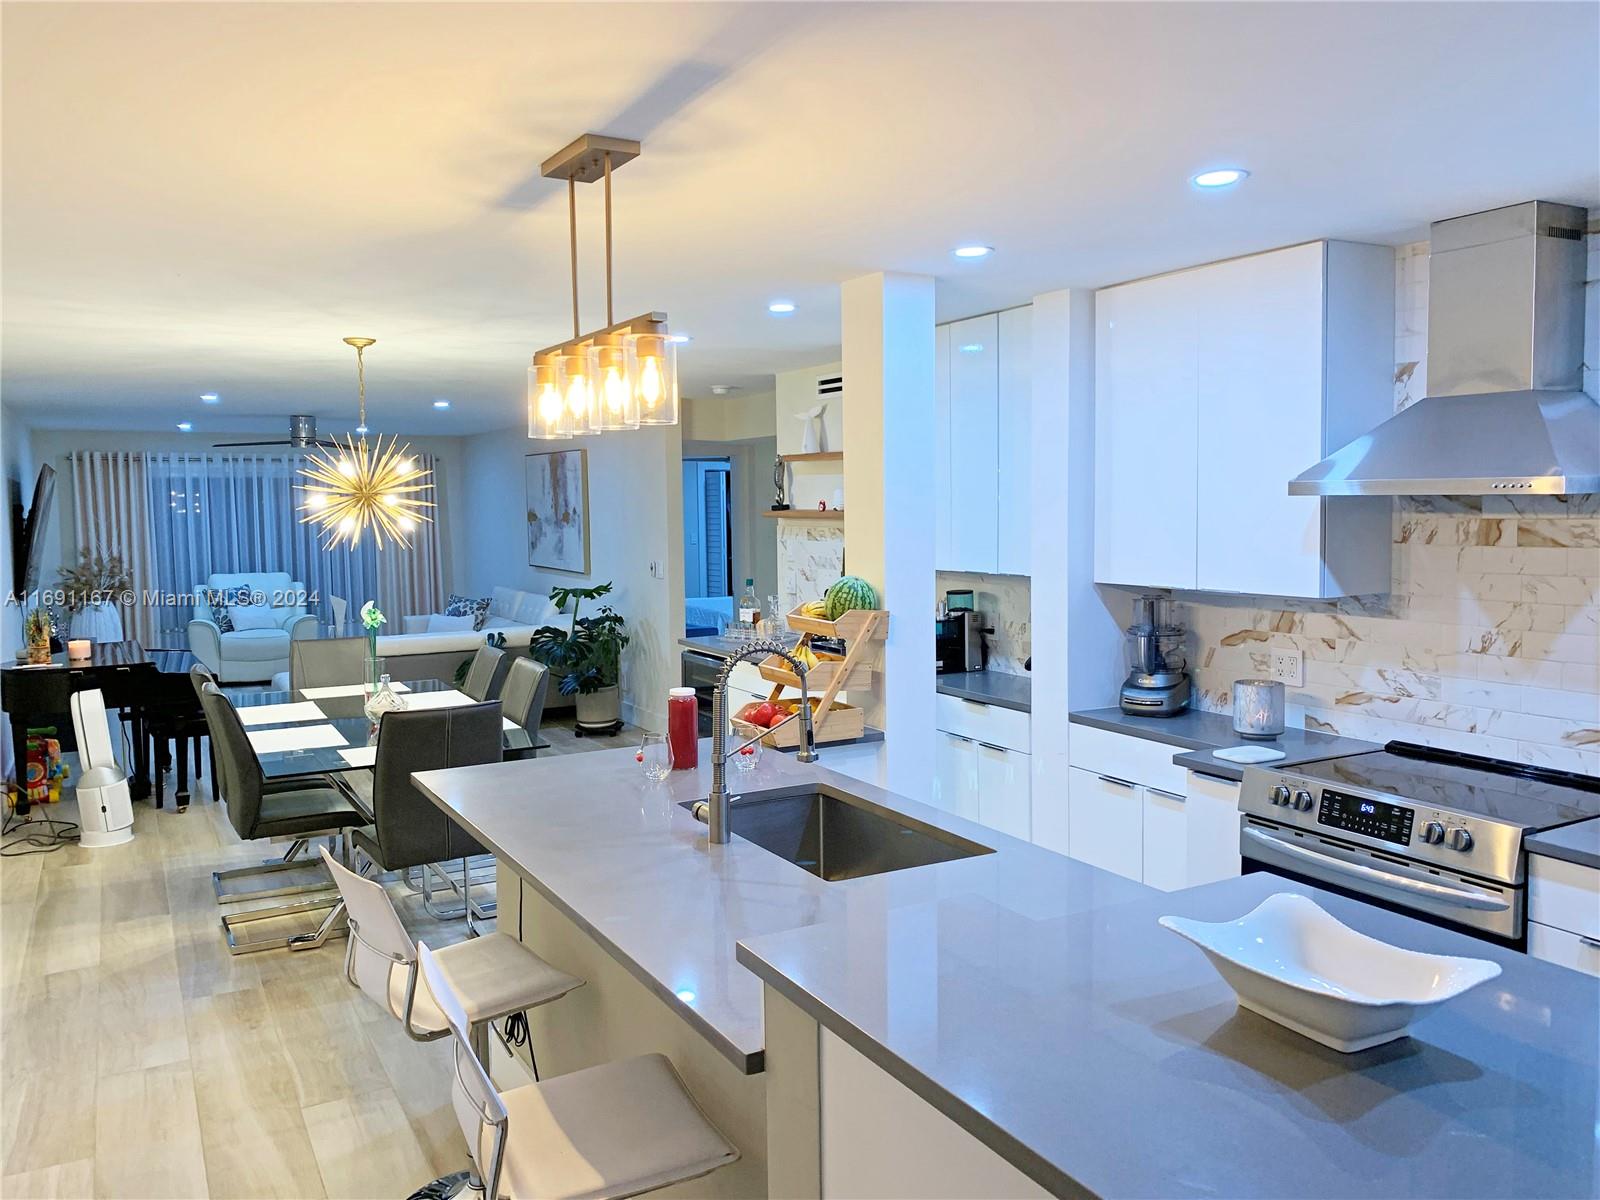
[78, 649]
[1257, 708]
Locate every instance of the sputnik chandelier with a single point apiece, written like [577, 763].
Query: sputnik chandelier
[354, 487]
[619, 377]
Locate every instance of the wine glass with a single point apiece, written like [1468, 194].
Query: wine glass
[655, 752]
[748, 756]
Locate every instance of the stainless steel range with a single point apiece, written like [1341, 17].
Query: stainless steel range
[1429, 832]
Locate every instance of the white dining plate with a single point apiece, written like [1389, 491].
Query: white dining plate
[1293, 963]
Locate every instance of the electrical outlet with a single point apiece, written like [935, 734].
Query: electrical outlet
[1289, 667]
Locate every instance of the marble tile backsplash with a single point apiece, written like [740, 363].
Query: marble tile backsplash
[1489, 641]
[810, 558]
[1007, 601]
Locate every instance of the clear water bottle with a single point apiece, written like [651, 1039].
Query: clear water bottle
[749, 613]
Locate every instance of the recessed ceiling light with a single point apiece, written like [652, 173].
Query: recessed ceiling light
[679, 338]
[972, 348]
[185, 426]
[723, 389]
[210, 397]
[362, 430]
[686, 995]
[1220, 178]
[781, 307]
[441, 404]
[973, 251]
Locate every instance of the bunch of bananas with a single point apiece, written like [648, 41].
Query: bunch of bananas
[814, 608]
[805, 655]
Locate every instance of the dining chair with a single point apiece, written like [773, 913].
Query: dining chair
[522, 699]
[409, 830]
[311, 809]
[613, 1130]
[327, 662]
[481, 675]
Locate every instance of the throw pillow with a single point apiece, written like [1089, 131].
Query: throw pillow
[443, 623]
[222, 600]
[466, 606]
[252, 616]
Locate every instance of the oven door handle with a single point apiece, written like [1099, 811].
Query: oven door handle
[1437, 892]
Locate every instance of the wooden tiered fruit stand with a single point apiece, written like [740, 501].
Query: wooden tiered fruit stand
[862, 631]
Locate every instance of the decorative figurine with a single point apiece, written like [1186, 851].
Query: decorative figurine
[779, 504]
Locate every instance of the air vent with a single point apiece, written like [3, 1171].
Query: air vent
[830, 385]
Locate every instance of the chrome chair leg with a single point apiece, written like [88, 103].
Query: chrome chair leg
[331, 926]
[291, 861]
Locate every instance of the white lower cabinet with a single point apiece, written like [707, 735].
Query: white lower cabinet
[1003, 790]
[1564, 913]
[1129, 810]
[955, 774]
[1105, 822]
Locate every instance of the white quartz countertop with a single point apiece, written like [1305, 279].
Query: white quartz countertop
[619, 856]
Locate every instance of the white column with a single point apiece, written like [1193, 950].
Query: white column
[887, 326]
[1076, 642]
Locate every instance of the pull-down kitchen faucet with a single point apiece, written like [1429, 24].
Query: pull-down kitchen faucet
[717, 806]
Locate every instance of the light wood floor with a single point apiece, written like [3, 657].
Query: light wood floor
[139, 1059]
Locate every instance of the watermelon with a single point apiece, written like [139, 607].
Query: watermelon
[851, 591]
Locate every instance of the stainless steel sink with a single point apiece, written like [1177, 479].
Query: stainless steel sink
[837, 836]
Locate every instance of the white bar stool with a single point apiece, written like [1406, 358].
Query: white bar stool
[615, 1130]
[495, 975]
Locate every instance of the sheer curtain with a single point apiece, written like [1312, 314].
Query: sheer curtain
[111, 517]
[240, 512]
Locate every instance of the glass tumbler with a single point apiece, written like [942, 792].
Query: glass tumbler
[655, 752]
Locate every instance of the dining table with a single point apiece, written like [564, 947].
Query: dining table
[326, 731]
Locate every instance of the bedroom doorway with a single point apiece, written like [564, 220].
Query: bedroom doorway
[708, 537]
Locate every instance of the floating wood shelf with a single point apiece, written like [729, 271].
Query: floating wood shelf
[816, 456]
[806, 514]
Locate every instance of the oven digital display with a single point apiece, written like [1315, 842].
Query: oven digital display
[1375, 818]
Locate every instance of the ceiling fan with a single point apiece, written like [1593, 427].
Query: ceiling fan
[302, 435]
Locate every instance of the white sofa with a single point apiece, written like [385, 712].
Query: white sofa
[250, 655]
[417, 654]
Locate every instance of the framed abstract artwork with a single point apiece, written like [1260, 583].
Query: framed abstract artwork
[558, 511]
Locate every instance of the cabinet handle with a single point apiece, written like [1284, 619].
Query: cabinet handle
[959, 738]
[992, 746]
[1119, 782]
[1592, 943]
[1169, 795]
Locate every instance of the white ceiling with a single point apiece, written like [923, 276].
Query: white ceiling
[208, 197]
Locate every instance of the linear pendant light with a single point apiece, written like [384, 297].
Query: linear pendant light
[356, 487]
[616, 378]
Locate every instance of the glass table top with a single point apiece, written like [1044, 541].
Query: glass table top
[347, 739]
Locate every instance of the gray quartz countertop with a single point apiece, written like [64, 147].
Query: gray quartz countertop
[1103, 1054]
[990, 687]
[620, 857]
[1577, 843]
[721, 647]
[1200, 733]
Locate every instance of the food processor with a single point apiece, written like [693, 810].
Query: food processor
[1157, 684]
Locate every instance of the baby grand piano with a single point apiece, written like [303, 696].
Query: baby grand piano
[147, 685]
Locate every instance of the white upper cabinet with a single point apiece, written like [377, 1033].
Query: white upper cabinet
[1144, 432]
[1214, 387]
[983, 408]
[941, 444]
[974, 443]
[1015, 441]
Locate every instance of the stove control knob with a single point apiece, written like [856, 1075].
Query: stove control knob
[1303, 800]
[1460, 839]
[1280, 794]
[1433, 833]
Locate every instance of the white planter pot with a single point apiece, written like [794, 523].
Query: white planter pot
[598, 710]
[100, 622]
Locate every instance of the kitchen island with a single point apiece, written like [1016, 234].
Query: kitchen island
[1014, 1009]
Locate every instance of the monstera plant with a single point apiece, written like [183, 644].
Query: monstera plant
[586, 657]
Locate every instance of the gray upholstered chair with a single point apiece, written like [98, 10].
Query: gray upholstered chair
[522, 698]
[257, 811]
[409, 830]
[327, 662]
[482, 674]
[618, 1129]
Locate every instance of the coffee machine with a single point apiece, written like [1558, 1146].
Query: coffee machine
[958, 635]
[1157, 684]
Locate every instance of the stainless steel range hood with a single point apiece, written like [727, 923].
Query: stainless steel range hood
[1504, 412]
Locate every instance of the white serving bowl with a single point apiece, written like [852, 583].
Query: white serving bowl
[1292, 963]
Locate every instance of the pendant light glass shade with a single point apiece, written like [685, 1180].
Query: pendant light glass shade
[614, 403]
[545, 404]
[575, 385]
[653, 366]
